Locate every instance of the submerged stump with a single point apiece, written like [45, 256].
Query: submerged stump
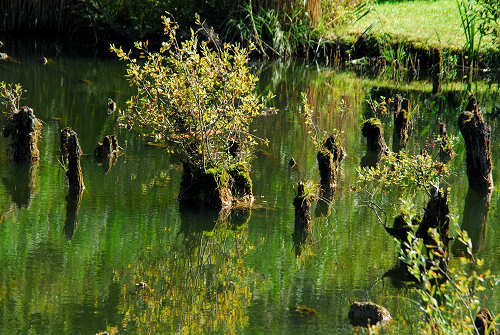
[108, 147]
[375, 143]
[367, 314]
[70, 153]
[24, 129]
[329, 158]
[446, 152]
[401, 125]
[107, 151]
[477, 137]
[302, 204]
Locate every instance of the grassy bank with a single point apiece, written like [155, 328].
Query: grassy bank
[419, 26]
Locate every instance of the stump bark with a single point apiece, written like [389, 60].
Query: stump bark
[302, 204]
[70, 153]
[401, 125]
[329, 158]
[204, 189]
[24, 129]
[477, 137]
[375, 143]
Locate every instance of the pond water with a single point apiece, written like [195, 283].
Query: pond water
[69, 269]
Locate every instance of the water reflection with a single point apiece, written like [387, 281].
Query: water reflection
[474, 220]
[72, 206]
[193, 289]
[21, 181]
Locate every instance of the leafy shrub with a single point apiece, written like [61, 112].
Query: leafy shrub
[198, 100]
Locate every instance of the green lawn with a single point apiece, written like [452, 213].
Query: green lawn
[422, 22]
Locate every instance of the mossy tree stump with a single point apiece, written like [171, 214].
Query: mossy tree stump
[477, 137]
[216, 188]
[401, 125]
[70, 154]
[24, 129]
[446, 152]
[375, 143]
[329, 158]
[302, 204]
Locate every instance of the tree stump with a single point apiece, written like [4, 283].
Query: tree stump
[302, 204]
[483, 321]
[24, 129]
[477, 137]
[446, 152]
[366, 314]
[108, 147]
[437, 72]
[375, 143]
[209, 189]
[401, 125]
[107, 151]
[329, 158]
[70, 153]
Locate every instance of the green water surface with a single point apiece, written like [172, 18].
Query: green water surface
[73, 269]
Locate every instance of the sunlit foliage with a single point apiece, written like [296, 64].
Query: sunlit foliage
[197, 96]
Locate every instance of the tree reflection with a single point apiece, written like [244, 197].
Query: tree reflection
[194, 288]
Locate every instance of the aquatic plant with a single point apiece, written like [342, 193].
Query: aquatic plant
[10, 97]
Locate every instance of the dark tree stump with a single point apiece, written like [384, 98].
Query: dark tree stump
[70, 150]
[366, 314]
[107, 151]
[302, 204]
[209, 189]
[375, 143]
[446, 152]
[24, 130]
[477, 137]
[329, 158]
[483, 321]
[108, 147]
[437, 71]
[401, 125]
[436, 216]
